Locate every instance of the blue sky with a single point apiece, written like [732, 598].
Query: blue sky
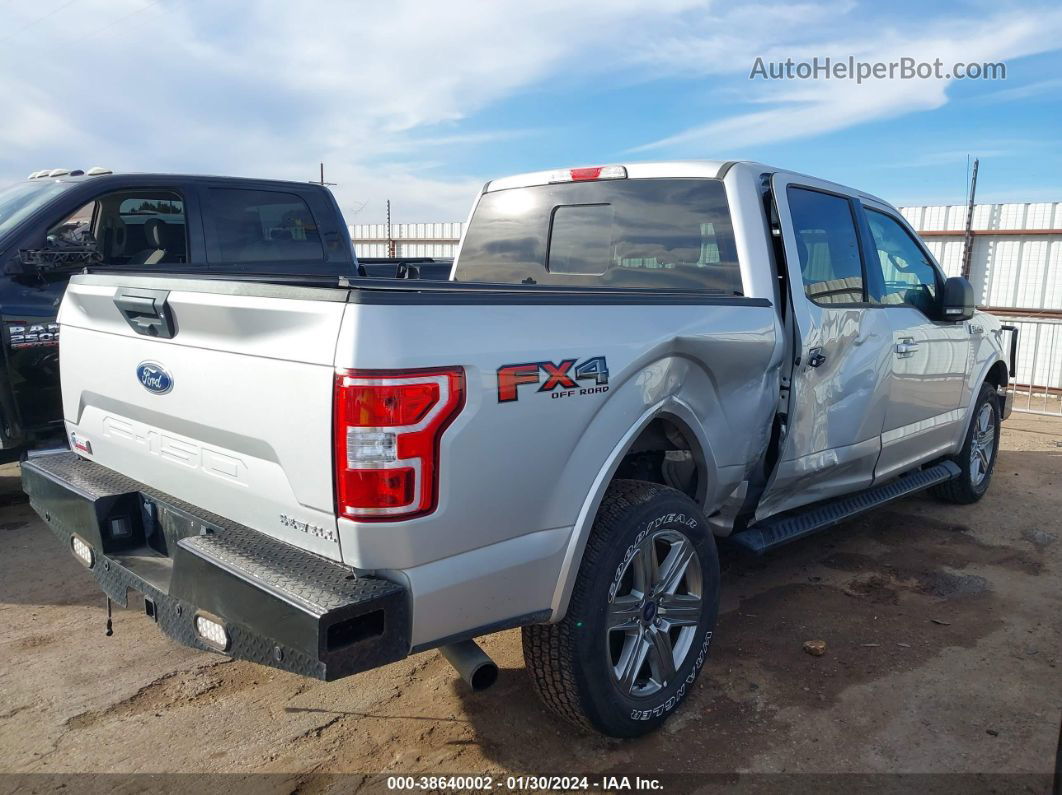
[421, 102]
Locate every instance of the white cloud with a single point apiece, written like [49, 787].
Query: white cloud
[803, 108]
[270, 88]
[379, 90]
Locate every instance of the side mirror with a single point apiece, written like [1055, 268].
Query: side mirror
[958, 299]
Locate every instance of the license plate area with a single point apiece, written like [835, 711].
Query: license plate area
[165, 525]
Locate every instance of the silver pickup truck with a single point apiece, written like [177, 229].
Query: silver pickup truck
[326, 475]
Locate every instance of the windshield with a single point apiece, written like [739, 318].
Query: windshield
[24, 198]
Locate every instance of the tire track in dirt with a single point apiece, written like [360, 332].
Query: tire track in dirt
[178, 689]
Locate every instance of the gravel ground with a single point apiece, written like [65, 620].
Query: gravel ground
[942, 624]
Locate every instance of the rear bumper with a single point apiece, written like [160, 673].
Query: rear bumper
[280, 606]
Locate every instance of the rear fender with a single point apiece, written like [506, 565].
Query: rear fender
[683, 392]
[674, 409]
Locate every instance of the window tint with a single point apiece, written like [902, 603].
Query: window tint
[828, 246]
[263, 226]
[631, 233]
[907, 277]
[134, 227]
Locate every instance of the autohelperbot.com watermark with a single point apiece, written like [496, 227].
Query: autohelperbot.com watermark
[851, 68]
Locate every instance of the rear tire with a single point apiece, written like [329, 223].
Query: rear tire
[977, 459]
[641, 616]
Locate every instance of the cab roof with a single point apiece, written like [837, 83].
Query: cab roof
[668, 169]
[160, 179]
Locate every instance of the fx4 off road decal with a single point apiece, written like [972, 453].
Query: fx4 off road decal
[562, 380]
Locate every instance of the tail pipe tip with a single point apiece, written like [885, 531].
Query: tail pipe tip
[472, 663]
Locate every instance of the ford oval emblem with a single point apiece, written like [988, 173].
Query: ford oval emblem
[154, 378]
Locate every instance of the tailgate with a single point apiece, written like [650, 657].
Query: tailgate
[232, 413]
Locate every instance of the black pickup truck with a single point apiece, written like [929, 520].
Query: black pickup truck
[58, 223]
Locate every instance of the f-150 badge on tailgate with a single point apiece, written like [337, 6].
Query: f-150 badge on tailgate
[561, 380]
[154, 377]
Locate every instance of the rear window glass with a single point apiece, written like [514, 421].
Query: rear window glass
[655, 233]
[263, 226]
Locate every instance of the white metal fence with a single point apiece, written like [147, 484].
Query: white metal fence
[1037, 381]
[1016, 271]
[437, 240]
[1016, 261]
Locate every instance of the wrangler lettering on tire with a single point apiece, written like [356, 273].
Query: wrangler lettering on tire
[641, 617]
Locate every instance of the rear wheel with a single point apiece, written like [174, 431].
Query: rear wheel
[977, 459]
[641, 616]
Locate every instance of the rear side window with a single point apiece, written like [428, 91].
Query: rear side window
[263, 226]
[828, 246]
[637, 233]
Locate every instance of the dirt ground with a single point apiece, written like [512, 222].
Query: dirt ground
[943, 628]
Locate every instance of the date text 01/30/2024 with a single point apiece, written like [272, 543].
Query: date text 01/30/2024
[525, 783]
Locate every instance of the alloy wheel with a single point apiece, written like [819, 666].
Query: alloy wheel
[652, 620]
[983, 446]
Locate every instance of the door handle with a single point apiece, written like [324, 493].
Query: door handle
[906, 347]
[816, 358]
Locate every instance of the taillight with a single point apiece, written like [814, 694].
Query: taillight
[388, 424]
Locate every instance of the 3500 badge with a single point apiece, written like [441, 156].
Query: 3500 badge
[560, 380]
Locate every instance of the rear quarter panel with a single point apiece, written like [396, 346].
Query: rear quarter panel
[517, 476]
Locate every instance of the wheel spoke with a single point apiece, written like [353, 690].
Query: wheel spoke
[623, 612]
[982, 453]
[680, 610]
[988, 438]
[984, 419]
[635, 650]
[662, 656]
[644, 564]
[673, 569]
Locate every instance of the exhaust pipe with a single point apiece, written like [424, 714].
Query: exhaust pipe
[472, 663]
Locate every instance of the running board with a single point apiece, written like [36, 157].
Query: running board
[777, 530]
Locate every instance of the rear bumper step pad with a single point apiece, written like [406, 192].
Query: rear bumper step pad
[778, 530]
[280, 605]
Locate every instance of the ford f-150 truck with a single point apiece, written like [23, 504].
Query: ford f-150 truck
[627, 362]
[58, 221]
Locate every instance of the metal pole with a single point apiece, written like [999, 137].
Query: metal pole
[967, 249]
[390, 240]
[321, 179]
